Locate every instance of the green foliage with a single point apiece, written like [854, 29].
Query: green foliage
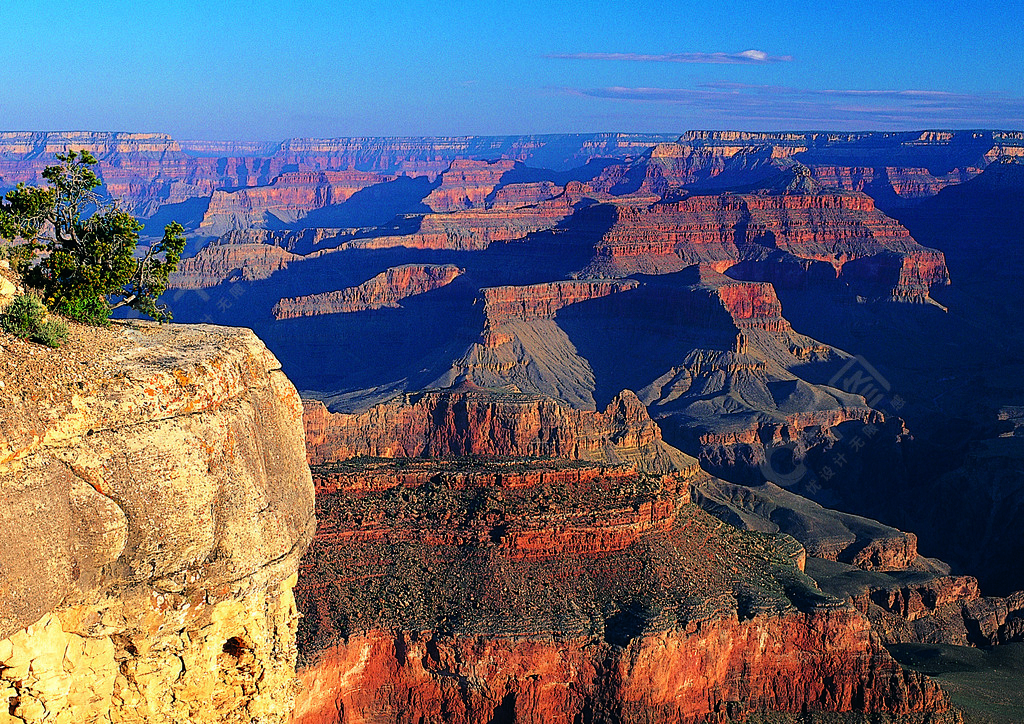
[89, 264]
[26, 317]
[53, 333]
[88, 310]
[20, 256]
[24, 211]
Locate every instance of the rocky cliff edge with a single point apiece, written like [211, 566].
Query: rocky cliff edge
[156, 502]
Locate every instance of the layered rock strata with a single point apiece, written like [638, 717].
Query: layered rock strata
[156, 506]
[895, 168]
[845, 231]
[539, 591]
[467, 184]
[446, 423]
[290, 197]
[150, 170]
[925, 604]
[384, 290]
[542, 301]
[219, 263]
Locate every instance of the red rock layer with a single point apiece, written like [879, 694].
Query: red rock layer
[217, 263]
[753, 304]
[477, 228]
[578, 531]
[887, 165]
[824, 662]
[712, 296]
[467, 184]
[542, 301]
[723, 230]
[683, 163]
[904, 183]
[147, 171]
[781, 432]
[384, 290]
[290, 197]
[513, 590]
[467, 422]
[514, 196]
[940, 609]
[906, 277]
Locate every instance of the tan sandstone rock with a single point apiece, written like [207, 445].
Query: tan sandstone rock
[156, 503]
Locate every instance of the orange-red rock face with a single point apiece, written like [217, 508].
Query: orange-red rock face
[752, 304]
[542, 301]
[514, 196]
[723, 230]
[475, 229]
[905, 184]
[467, 184]
[291, 196]
[801, 663]
[531, 591]
[892, 167]
[218, 263]
[384, 290]
[451, 422]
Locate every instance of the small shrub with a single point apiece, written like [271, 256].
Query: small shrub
[26, 317]
[87, 310]
[20, 257]
[52, 333]
[23, 316]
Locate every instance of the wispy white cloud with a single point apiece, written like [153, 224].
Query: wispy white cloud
[733, 102]
[746, 57]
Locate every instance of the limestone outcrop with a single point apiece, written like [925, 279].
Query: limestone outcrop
[156, 505]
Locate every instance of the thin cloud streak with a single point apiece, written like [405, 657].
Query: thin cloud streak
[731, 102]
[746, 57]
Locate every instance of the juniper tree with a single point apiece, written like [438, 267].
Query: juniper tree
[87, 244]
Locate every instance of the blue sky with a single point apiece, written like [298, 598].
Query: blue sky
[222, 69]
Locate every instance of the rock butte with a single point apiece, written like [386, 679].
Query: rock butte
[384, 290]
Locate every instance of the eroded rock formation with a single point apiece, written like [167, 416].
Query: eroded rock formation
[219, 263]
[447, 423]
[542, 301]
[384, 290]
[290, 197]
[844, 231]
[156, 504]
[560, 592]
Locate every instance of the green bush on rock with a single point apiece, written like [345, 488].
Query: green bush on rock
[26, 317]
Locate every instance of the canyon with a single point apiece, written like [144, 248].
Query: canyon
[603, 428]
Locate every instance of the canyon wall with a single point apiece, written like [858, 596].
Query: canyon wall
[156, 506]
[846, 231]
[446, 423]
[289, 198]
[895, 168]
[218, 263]
[150, 170]
[384, 290]
[549, 591]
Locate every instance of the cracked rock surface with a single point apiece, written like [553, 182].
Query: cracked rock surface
[156, 501]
